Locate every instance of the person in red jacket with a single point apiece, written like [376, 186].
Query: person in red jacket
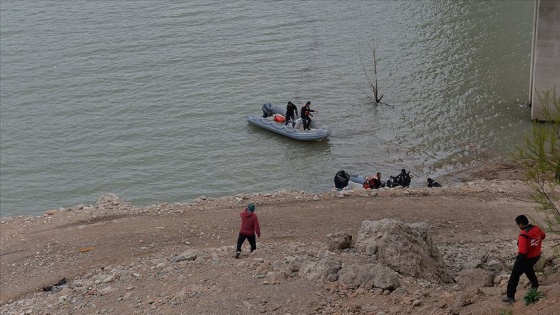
[529, 244]
[249, 227]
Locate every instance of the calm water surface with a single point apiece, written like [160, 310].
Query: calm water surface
[148, 99]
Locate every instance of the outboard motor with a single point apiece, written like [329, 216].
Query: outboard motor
[267, 110]
[341, 179]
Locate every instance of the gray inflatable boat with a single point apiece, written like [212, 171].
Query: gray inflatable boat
[292, 130]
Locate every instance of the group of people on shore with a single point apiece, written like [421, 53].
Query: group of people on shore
[342, 179]
[305, 114]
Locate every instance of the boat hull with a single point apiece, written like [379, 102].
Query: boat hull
[289, 131]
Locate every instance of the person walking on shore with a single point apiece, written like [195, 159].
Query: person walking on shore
[529, 244]
[249, 227]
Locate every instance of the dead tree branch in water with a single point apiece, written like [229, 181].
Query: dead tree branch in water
[372, 81]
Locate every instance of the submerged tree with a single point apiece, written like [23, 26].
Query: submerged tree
[372, 80]
[541, 158]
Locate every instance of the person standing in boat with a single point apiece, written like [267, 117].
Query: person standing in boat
[306, 115]
[291, 109]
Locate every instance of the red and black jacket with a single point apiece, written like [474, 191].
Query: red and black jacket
[529, 242]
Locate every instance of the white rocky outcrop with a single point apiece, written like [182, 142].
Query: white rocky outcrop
[406, 248]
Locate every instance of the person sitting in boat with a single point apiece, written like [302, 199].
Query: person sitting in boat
[291, 109]
[432, 183]
[373, 182]
[367, 183]
[306, 115]
[377, 181]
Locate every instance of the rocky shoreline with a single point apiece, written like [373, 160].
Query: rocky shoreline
[318, 255]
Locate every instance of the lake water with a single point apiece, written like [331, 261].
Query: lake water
[148, 99]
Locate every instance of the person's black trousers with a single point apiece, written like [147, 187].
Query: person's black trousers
[306, 122]
[289, 117]
[525, 266]
[252, 241]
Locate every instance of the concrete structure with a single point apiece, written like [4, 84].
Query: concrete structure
[545, 54]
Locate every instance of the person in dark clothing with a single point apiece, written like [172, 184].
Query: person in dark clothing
[377, 181]
[432, 183]
[306, 114]
[291, 109]
[249, 227]
[529, 244]
[404, 178]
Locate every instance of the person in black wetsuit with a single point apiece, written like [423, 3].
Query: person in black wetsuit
[291, 109]
[404, 178]
[306, 114]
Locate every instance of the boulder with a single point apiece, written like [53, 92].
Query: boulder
[321, 269]
[406, 248]
[338, 241]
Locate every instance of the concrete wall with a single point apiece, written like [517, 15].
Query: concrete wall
[545, 56]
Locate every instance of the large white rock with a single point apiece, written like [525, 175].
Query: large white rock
[405, 248]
